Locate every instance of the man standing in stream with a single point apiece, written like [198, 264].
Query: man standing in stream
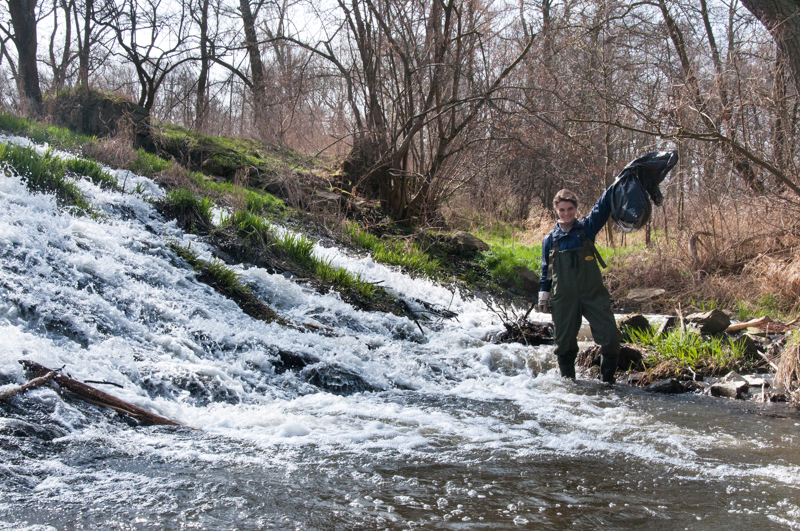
[572, 286]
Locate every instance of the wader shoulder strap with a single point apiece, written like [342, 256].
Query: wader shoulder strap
[553, 251]
[589, 244]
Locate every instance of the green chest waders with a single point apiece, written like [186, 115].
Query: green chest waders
[577, 292]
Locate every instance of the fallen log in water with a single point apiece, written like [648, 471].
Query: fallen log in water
[24, 388]
[95, 396]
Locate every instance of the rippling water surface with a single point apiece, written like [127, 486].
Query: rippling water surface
[373, 424]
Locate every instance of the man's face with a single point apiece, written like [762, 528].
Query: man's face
[566, 211]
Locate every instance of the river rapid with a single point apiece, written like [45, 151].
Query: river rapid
[360, 421]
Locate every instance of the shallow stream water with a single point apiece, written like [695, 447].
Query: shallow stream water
[364, 422]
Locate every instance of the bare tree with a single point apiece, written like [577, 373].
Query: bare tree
[23, 34]
[782, 19]
[152, 36]
[60, 60]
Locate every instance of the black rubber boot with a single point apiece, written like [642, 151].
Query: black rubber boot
[608, 364]
[566, 364]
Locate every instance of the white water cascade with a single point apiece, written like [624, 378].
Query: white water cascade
[370, 423]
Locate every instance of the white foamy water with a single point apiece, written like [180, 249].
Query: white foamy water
[365, 421]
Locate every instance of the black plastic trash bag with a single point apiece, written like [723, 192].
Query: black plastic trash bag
[636, 185]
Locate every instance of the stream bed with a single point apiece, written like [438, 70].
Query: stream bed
[354, 420]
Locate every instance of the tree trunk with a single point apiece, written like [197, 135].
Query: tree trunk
[742, 166]
[256, 65]
[23, 19]
[782, 19]
[85, 46]
[201, 104]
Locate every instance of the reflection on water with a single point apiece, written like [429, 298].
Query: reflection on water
[452, 432]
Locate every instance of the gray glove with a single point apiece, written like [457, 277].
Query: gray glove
[544, 303]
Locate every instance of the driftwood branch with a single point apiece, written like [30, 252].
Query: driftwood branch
[741, 326]
[97, 397]
[24, 388]
[766, 358]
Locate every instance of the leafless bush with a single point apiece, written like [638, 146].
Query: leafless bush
[177, 176]
[788, 373]
[779, 277]
[115, 151]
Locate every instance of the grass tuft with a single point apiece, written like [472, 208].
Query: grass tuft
[192, 212]
[227, 282]
[690, 352]
[409, 257]
[255, 229]
[325, 271]
[45, 174]
[298, 248]
[56, 136]
[93, 170]
[148, 164]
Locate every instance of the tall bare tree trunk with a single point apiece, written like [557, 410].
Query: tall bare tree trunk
[201, 104]
[85, 43]
[23, 19]
[256, 65]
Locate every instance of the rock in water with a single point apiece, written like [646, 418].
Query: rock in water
[731, 386]
[636, 321]
[464, 242]
[668, 387]
[336, 380]
[713, 322]
[629, 358]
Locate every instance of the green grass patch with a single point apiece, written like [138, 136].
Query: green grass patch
[192, 211]
[297, 247]
[227, 154]
[705, 355]
[257, 201]
[56, 136]
[768, 305]
[227, 282]
[258, 231]
[503, 261]
[263, 203]
[343, 278]
[410, 257]
[93, 170]
[619, 253]
[44, 174]
[148, 164]
[300, 249]
[253, 228]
